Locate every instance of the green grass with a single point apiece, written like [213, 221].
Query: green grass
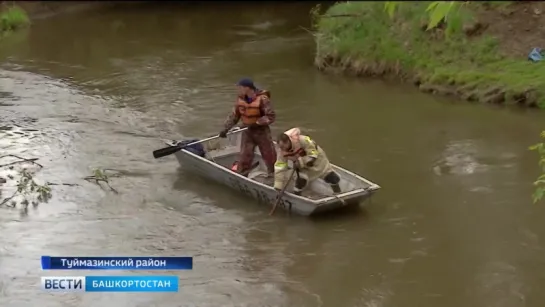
[13, 18]
[473, 63]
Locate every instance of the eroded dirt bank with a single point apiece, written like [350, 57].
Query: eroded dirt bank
[484, 61]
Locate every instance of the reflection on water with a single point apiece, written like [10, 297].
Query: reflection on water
[459, 159]
[452, 225]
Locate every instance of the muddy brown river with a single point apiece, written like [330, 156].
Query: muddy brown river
[452, 226]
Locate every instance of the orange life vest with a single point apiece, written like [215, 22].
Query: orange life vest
[295, 151]
[251, 112]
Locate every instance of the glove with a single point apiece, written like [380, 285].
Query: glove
[311, 162]
[223, 134]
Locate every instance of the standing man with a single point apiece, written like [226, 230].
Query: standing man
[253, 108]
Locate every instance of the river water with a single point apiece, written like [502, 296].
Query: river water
[453, 224]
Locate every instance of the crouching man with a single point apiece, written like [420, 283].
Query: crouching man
[309, 160]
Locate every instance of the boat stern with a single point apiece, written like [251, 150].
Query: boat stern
[349, 199]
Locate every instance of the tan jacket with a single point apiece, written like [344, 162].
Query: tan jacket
[320, 168]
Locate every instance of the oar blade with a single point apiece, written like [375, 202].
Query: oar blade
[163, 152]
[281, 193]
[159, 153]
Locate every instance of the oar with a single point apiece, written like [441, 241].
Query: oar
[163, 152]
[282, 192]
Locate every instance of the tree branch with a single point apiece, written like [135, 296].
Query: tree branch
[97, 182]
[5, 200]
[62, 183]
[33, 161]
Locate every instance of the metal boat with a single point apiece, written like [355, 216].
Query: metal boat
[221, 153]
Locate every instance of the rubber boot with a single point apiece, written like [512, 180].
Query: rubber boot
[298, 193]
[336, 188]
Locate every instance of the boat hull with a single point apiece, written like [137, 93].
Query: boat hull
[264, 193]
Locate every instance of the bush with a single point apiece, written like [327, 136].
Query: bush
[361, 37]
[13, 18]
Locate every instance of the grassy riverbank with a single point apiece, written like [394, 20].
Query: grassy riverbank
[12, 18]
[485, 59]
[15, 15]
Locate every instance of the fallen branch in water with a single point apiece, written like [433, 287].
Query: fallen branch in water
[33, 161]
[100, 176]
[29, 190]
[67, 184]
[5, 200]
[26, 187]
[98, 181]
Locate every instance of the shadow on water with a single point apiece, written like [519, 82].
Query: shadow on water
[214, 193]
[353, 211]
